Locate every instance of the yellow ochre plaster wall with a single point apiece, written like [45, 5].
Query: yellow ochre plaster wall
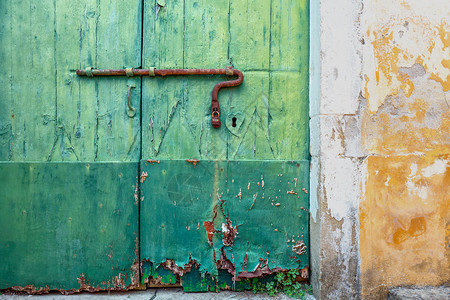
[405, 130]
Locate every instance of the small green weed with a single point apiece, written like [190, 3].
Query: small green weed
[146, 275]
[284, 283]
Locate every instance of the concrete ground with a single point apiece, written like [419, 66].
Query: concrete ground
[420, 293]
[151, 294]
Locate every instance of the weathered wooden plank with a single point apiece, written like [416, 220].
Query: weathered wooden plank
[197, 103]
[76, 27]
[92, 112]
[206, 34]
[33, 79]
[249, 34]
[68, 225]
[5, 80]
[289, 35]
[118, 46]
[249, 139]
[162, 97]
[176, 122]
[163, 34]
[206, 46]
[288, 115]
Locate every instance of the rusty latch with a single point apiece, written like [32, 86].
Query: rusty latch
[215, 107]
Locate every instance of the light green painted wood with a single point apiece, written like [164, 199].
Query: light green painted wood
[93, 123]
[265, 39]
[77, 98]
[288, 120]
[118, 46]
[163, 34]
[5, 80]
[176, 112]
[250, 34]
[289, 35]
[206, 34]
[32, 75]
[250, 106]
[206, 39]
[49, 113]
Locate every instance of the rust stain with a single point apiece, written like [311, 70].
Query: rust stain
[144, 176]
[193, 161]
[177, 270]
[152, 161]
[229, 232]
[291, 192]
[28, 289]
[261, 270]
[299, 247]
[209, 227]
[417, 227]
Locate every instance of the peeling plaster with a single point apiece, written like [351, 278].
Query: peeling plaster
[405, 130]
[402, 36]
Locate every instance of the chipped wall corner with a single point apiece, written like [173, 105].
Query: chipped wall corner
[380, 145]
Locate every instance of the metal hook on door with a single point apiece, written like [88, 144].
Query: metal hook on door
[131, 112]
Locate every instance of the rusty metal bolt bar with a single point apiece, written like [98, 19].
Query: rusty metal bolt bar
[215, 108]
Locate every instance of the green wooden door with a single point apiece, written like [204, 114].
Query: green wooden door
[90, 194]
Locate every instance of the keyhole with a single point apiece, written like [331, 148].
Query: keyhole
[233, 120]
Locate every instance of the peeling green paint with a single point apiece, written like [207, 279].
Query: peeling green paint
[267, 200]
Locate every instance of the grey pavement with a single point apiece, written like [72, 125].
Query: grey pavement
[420, 293]
[150, 294]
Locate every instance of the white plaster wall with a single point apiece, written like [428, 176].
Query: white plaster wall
[335, 147]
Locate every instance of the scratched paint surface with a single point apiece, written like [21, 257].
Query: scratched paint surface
[404, 216]
[266, 202]
[267, 40]
[69, 226]
[47, 112]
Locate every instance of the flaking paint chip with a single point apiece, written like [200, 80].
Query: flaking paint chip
[277, 204]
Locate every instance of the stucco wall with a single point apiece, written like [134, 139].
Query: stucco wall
[405, 130]
[380, 145]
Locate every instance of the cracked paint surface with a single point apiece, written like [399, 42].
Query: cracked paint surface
[405, 129]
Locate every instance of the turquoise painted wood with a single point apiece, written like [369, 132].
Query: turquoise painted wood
[265, 200]
[68, 226]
